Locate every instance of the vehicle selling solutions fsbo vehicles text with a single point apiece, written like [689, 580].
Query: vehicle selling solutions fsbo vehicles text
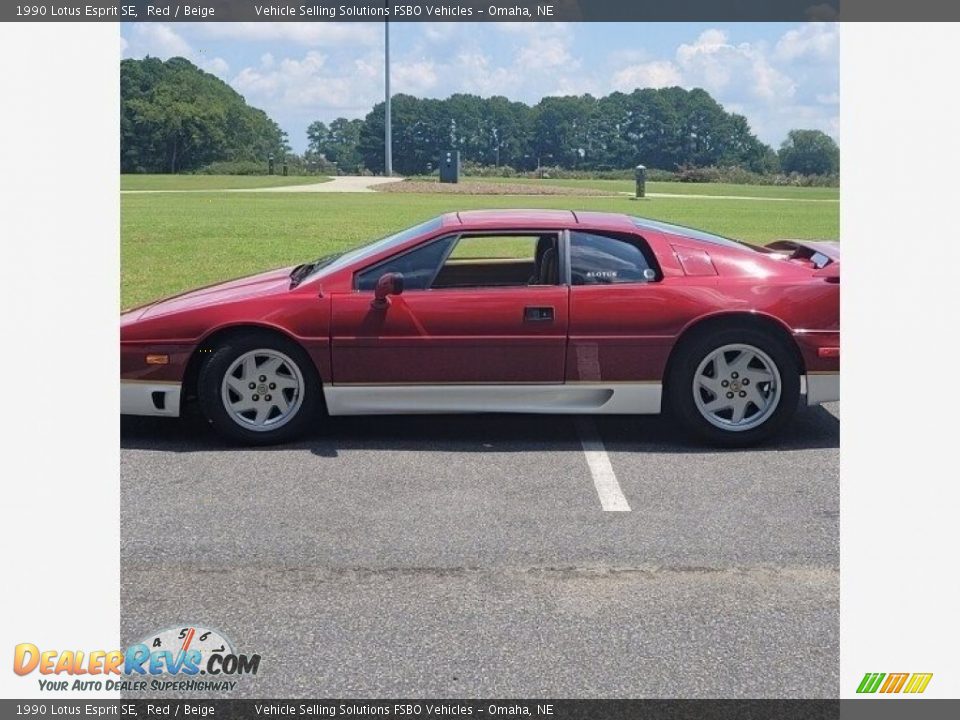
[332, 12]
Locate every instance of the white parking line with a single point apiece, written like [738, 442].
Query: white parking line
[605, 480]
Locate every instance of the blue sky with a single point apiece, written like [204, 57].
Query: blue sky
[781, 76]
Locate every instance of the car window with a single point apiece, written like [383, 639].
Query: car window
[605, 259]
[500, 261]
[418, 266]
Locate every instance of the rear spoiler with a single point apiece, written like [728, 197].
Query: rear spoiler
[825, 256]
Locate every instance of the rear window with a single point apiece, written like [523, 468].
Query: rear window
[686, 232]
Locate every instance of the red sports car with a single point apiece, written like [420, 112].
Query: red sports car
[530, 311]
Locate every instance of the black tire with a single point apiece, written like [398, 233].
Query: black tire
[211, 378]
[682, 405]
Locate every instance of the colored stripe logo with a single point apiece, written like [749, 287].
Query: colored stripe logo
[884, 683]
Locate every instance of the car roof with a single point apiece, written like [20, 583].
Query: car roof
[536, 219]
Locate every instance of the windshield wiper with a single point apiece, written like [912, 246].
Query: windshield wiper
[301, 272]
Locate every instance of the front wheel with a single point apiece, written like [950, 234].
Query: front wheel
[259, 390]
[735, 387]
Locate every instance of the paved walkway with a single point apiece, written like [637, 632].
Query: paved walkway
[342, 184]
[686, 196]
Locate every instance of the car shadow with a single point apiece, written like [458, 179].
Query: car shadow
[812, 428]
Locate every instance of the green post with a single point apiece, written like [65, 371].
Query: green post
[641, 176]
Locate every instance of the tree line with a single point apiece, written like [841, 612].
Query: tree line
[176, 118]
[662, 128]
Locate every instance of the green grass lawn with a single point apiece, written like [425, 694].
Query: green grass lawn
[171, 243]
[678, 188]
[213, 182]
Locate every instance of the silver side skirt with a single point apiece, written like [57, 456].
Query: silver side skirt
[146, 398]
[594, 398]
[822, 387]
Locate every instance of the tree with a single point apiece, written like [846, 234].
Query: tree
[809, 152]
[565, 131]
[338, 143]
[174, 117]
[506, 132]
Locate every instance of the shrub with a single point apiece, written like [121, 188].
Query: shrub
[740, 176]
[295, 166]
[475, 169]
[685, 173]
[234, 167]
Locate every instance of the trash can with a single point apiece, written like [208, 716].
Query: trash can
[450, 167]
[641, 176]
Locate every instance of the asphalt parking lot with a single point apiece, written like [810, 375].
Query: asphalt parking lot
[464, 556]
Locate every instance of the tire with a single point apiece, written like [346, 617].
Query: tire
[734, 387]
[285, 398]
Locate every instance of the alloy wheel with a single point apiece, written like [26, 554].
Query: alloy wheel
[262, 390]
[737, 387]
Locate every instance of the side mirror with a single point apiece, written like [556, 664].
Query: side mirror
[388, 284]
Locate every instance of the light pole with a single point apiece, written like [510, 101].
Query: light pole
[387, 135]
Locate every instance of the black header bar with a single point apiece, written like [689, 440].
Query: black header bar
[475, 10]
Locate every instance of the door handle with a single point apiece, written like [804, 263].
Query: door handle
[537, 314]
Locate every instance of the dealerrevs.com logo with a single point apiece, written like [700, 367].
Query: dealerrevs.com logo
[187, 658]
[887, 684]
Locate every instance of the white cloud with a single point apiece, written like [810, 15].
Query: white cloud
[543, 46]
[655, 74]
[157, 40]
[311, 83]
[713, 63]
[162, 41]
[308, 34]
[440, 31]
[476, 73]
[813, 41]
[774, 123]
[543, 53]
[415, 77]
[217, 66]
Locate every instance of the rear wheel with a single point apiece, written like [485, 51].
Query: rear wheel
[259, 389]
[734, 387]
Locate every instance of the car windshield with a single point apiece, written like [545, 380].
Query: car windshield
[335, 262]
[687, 232]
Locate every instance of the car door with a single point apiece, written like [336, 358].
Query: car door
[623, 315]
[477, 308]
